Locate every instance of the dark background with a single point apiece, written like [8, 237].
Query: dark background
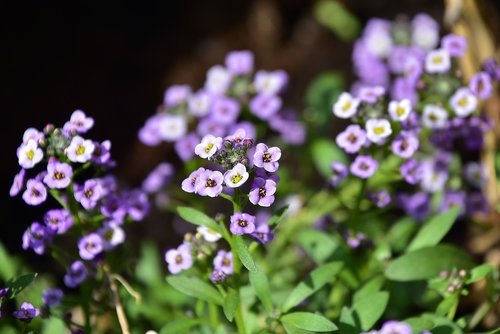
[114, 59]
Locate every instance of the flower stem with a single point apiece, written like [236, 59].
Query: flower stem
[214, 316]
[120, 312]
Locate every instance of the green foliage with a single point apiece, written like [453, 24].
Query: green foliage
[231, 302]
[260, 283]
[198, 218]
[324, 152]
[370, 308]
[335, 16]
[19, 283]
[308, 321]
[195, 287]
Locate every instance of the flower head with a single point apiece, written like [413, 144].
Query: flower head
[58, 220]
[189, 184]
[218, 80]
[208, 234]
[79, 122]
[363, 166]
[29, 154]
[176, 94]
[463, 102]
[395, 327]
[171, 127]
[200, 103]
[434, 117]
[89, 193]
[400, 110]
[35, 192]
[208, 147]
[242, 223]
[480, 85]
[209, 183]
[270, 83]
[456, 45]
[158, 177]
[346, 106]
[405, 144]
[236, 176]
[262, 233]
[265, 106]
[80, 150]
[352, 138]
[58, 175]
[225, 110]
[26, 312]
[339, 172]
[90, 245]
[18, 183]
[178, 259]
[52, 297]
[77, 273]
[438, 61]
[239, 62]
[262, 192]
[377, 130]
[223, 261]
[111, 236]
[412, 171]
[267, 158]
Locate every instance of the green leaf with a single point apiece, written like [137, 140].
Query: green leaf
[435, 230]
[495, 331]
[370, 308]
[335, 16]
[277, 216]
[419, 325]
[400, 233]
[427, 263]
[260, 283]
[181, 325]
[243, 253]
[348, 324]
[148, 269]
[321, 95]
[198, 218]
[53, 325]
[373, 285]
[308, 321]
[195, 287]
[446, 304]
[19, 283]
[479, 272]
[312, 283]
[317, 244]
[324, 152]
[442, 325]
[7, 264]
[231, 303]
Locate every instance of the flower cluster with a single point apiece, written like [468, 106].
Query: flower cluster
[394, 327]
[232, 95]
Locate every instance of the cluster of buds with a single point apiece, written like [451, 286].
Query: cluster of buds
[454, 280]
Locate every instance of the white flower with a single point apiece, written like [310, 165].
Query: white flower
[208, 234]
[437, 61]
[463, 102]
[208, 146]
[425, 32]
[80, 150]
[377, 129]
[270, 83]
[218, 79]
[432, 180]
[476, 174]
[29, 154]
[199, 104]
[434, 117]
[346, 106]
[172, 127]
[400, 110]
[236, 176]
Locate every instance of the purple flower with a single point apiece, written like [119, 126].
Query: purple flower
[262, 233]
[90, 245]
[346, 106]
[158, 178]
[179, 259]
[236, 177]
[186, 145]
[411, 171]
[377, 37]
[370, 69]
[200, 103]
[80, 150]
[395, 327]
[291, 131]
[491, 67]
[267, 158]
[36, 237]
[176, 94]
[238, 137]
[35, 192]
[239, 62]
[149, 134]
[404, 89]
[433, 178]
[32, 134]
[265, 106]
[354, 240]
[455, 45]
[79, 122]
[209, 183]
[451, 199]
[425, 32]
[172, 127]
[52, 297]
[339, 172]
[26, 312]
[89, 194]
[208, 147]
[18, 183]
[370, 94]
[405, 144]
[137, 204]
[210, 126]
[381, 199]
[242, 223]
[270, 83]
[248, 127]
[463, 102]
[102, 154]
[363, 166]
[476, 203]
[189, 184]
[475, 174]
[262, 192]
[111, 236]
[351, 139]
[223, 261]
[4, 292]
[480, 85]
[114, 208]
[29, 154]
[217, 276]
[77, 273]
[416, 205]
[264, 174]
[412, 71]
[58, 175]
[59, 221]
[225, 110]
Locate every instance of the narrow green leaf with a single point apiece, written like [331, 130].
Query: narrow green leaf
[348, 324]
[370, 308]
[231, 303]
[435, 229]
[400, 234]
[308, 321]
[312, 283]
[290, 329]
[181, 325]
[318, 245]
[198, 218]
[373, 285]
[338, 18]
[195, 287]
[446, 304]
[427, 263]
[53, 325]
[243, 253]
[324, 152]
[479, 272]
[19, 283]
[260, 283]
[277, 216]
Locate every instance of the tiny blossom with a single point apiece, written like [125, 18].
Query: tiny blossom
[412, 70]
[210, 126]
[352, 138]
[199, 104]
[172, 127]
[264, 174]
[265, 106]
[267, 158]
[149, 134]
[32, 134]
[111, 236]
[52, 297]
[137, 204]
[189, 184]
[491, 67]
[395, 327]
[80, 150]
[434, 117]
[239, 62]
[77, 273]
[225, 110]
[451, 199]
[36, 237]
[114, 208]
[262, 192]
[400, 110]
[475, 173]
[208, 234]
[218, 80]
[377, 130]
[236, 177]
[89, 193]
[363, 166]
[270, 83]
[455, 45]
[353, 239]
[35, 192]
[217, 276]
[463, 102]
[238, 137]
[158, 177]
[346, 106]
[377, 37]
[425, 31]
[208, 147]
[412, 171]
[79, 122]
[18, 183]
[209, 183]
[242, 223]
[262, 233]
[58, 175]
[480, 85]
[90, 245]
[102, 154]
[29, 154]
[186, 145]
[223, 261]
[59, 221]
[433, 179]
[370, 95]
[26, 312]
[403, 89]
[437, 61]
[405, 145]
[381, 199]
[176, 94]
[292, 132]
[178, 259]
[339, 172]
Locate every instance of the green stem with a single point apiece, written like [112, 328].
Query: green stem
[240, 322]
[479, 314]
[214, 315]
[453, 310]
[356, 211]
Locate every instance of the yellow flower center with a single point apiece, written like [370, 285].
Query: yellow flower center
[30, 154]
[346, 106]
[80, 150]
[462, 102]
[236, 178]
[209, 147]
[437, 60]
[400, 111]
[378, 130]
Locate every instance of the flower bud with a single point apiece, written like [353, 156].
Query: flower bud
[247, 142]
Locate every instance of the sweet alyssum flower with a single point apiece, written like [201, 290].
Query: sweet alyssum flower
[209, 183]
[475, 174]
[158, 177]
[242, 223]
[176, 94]
[463, 102]
[223, 261]
[456, 45]
[36, 237]
[29, 154]
[270, 83]
[225, 110]
[400, 110]
[80, 150]
[90, 245]
[405, 144]
[189, 184]
[363, 166]
[395, 327]
[352, 138]
[262, 233]
[35, 192]
[412, 171]
[377, 130]
[111, 235]
[218, 80]
[89, 193]
[438, 61]
[217, 276]
[381, 199]
[265, 106]
[208, 234]
[208, 146]
[481, 86]
[77, 273]
[59, 221]
[433, 179]
[239, 62]
[236, 176]
[26, 312]
[434, 117]
[262, 192]
[346, 106]
[18, 183]
[267, 158]
[52, 297]
[179, 259]
[172, 127]
[58, 175]
[339, 172]
[370, 95]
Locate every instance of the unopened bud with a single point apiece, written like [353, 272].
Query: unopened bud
[247, 142]
[188, 236]
[228, 144]
[47, 130]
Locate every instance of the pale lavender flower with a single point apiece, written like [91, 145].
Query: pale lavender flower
[186, 145]
[26, 312]
[339, 172]
[209, 183]
[476, 174]
[412, 70]
[178, 259]
[80, 150]
[381, 199]
[210, 126]
[476, 203]
[370, 94]
[262, 192]
[262, 233]
[270, 83]
[433, 179]
[172, 127]
[264, 174]
[370, 69]
[377, 37]
[480, 85]
[267, 158]
[90, 245]
[463, 102]
[35, 192]
[351, 139]
[77, 273]
[246, 126]
[208, 147]
[425, 32]
[395, 327]
[377, 129]
[242, 223]
[236, 176]
[111, 236]
[412, 171]
[353, 239]
[189, 184]
[239, 62]
[223, 261]
[346, 106]
[36, 237]
[491, 67]
[265, 106]
[217, 276]
[176, 94]
[451, 199]
[218, 80]
[434, 117]
[158, 177]
[291, 131]
[403, 89]
[238, 137]
[58, 175]
[114, 208]
[32, 134]
[149, 134]
[363, 166]
[200, 103]
[102, 154]
[208, 234]
[137, 204]
[456, 45]
[89, 193]
[18, 183]
[225, 110]
[78, 122]
[437, 61]
[29, 154]
[59, 221]
[52, 297]
[405, 144]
